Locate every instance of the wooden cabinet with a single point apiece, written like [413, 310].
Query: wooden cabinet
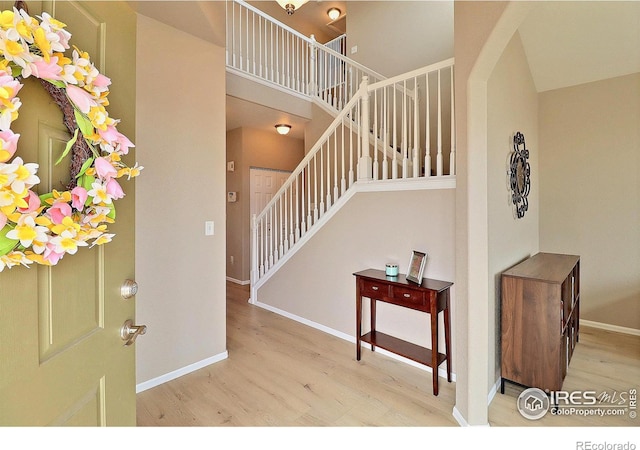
[540, 320]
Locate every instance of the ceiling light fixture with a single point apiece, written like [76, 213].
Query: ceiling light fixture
[291, 5]
[334, 13]
[283, 128]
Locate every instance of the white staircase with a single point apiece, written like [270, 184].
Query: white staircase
[387, 131]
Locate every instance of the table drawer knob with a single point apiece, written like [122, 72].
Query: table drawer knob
[407, 295]
[375, 288]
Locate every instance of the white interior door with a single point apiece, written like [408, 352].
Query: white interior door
[264, 184]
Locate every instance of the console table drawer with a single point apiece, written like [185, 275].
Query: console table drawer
[373, 289]
[408, 297]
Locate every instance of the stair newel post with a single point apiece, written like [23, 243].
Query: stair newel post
[313, 56]
[254, 253]
[452, 154]
[376, 135]
[365, 164]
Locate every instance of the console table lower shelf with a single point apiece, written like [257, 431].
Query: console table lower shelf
[430, 296]
[405, 349]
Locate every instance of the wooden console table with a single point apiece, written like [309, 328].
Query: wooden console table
[431, 296]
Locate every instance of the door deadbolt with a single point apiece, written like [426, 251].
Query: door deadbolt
[128, 289]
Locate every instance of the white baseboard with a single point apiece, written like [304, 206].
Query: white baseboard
[460, 418]
[493, 391]
[608, 327]
[243, 283]
[442, 372]
[462, 421]
[180, 372]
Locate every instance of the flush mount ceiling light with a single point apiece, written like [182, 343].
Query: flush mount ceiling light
[334, 13]
[283, 128]
[291, 5]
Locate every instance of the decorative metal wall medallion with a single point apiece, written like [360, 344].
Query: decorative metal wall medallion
[520, 172]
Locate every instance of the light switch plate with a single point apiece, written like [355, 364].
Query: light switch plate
[209, 229]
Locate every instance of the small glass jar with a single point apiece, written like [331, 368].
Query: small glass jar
[391, 270]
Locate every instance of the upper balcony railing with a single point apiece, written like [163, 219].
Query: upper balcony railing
[260, 46]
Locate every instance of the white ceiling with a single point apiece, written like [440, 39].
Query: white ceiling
[574, 42]
[241, 113]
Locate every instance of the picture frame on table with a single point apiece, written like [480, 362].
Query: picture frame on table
[416, 266]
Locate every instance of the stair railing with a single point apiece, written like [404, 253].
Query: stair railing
[388, 130]
[412, 119]
[260, 46]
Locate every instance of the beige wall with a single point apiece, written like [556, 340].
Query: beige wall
[590, 192]
[317, 283]
[474, 22]
[316, 126]
[512, 107]
[180, 139]
[409, 34]
[249, 147]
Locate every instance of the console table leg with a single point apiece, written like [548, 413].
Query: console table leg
[447, 335]
[434, 343]
[358, 323]
[373, 321]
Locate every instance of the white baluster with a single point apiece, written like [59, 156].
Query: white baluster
[439, 156]
[286, 218]
[316, 215]
[427, 143]
[335, 165]
[452, 153]
[416, 129]
[343, 181]
[351, 174]
[309, 220]
[385, 134]
[271, 246]
[281, 228]
[394, 167]
[299, 200]
[254, 251]
[405, 144]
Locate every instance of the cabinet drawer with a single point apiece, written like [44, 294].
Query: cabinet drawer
[373, 289]
[405, 296]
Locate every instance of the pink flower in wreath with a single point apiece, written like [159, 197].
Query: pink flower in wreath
[81, 98]
[8, 145]
[116, 139]
[58, 211]
[51, 255]
[105, 169]
[47, 70]
[114, 189]
[78, 197]
[33, 203]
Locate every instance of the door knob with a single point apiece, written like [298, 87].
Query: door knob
[129, 332]
[128, 289]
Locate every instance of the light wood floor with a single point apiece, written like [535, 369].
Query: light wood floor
[282, 373]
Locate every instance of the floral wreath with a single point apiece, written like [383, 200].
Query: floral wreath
[43, 228]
